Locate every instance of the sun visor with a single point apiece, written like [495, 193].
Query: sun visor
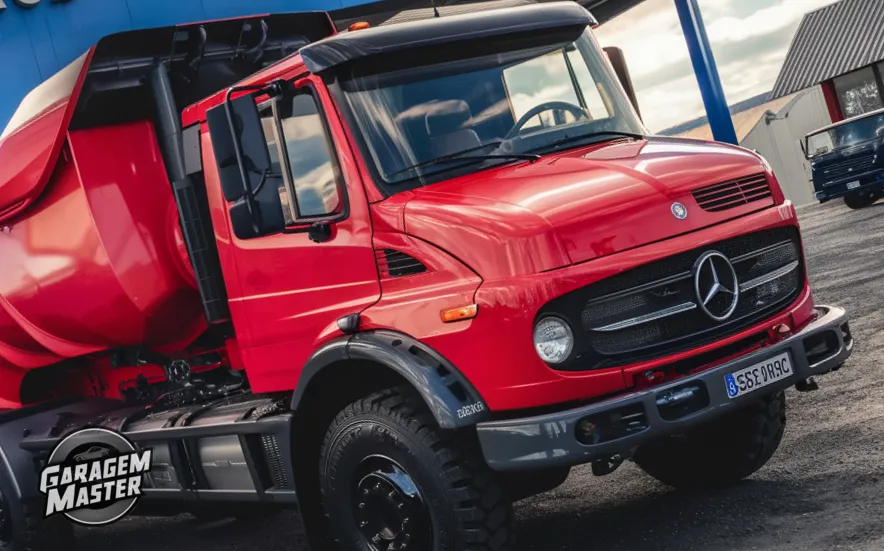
[387, 40]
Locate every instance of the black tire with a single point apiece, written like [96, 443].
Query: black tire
[859, 200]
[25, 530]
[720, 453]
[457, 505]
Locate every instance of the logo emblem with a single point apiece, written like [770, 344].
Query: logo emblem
[94, 476]
[679, 211]
[716, 285]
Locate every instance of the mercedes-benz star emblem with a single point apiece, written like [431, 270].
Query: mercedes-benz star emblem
[716, 285]
[679, 211]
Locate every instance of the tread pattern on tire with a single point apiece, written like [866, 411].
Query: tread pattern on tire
[721, 453]
[481, 508]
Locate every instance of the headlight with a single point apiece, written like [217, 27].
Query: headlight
[553, 340]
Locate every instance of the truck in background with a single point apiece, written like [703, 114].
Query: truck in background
[847, 160]
[398, 276]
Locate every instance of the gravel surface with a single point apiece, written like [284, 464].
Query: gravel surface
[824, 489]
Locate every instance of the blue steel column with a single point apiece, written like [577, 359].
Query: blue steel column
[707, 73]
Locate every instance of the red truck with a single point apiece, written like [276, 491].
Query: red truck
[399, 276]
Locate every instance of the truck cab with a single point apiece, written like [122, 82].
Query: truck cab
[846, 160]
[400, 276]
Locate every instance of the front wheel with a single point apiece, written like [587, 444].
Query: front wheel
[391, 479]
[859, 200]
[719, 453]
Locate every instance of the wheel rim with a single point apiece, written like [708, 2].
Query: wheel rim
[388, 508]
[5, 523]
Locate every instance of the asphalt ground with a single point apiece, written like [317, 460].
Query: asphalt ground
[824, 488]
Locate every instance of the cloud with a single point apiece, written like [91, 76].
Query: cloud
[749, 38]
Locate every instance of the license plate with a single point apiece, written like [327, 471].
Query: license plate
[750, 379]
[853, 185]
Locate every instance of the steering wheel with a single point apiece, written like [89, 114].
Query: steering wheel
[575, 110]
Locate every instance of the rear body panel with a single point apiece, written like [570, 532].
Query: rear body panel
[100, 248]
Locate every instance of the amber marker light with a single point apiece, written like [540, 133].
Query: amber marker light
[458, 314]
[359, 25]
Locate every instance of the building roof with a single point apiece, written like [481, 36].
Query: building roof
[744, 120]
[831, 41]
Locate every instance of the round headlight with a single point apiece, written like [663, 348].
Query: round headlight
[553, 340]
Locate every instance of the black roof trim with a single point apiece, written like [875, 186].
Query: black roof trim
[348, 46]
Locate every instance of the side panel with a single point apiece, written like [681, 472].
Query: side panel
[287, 292]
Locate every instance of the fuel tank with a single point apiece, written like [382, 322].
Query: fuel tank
[96, 260]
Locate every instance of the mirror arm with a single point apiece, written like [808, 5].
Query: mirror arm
[318, 232]
[272, 89]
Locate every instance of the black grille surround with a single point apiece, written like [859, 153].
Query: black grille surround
[652, 311]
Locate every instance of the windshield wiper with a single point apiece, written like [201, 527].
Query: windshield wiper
[454, 157]
[590, 135]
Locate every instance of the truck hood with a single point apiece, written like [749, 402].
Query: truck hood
[578, 205]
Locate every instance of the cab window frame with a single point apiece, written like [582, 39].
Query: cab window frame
[301, 85]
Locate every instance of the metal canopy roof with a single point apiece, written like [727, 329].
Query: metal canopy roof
[831, 41]
[396, 11]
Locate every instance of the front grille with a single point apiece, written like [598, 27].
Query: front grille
[654, 310]
[847, 168]
[733, 193]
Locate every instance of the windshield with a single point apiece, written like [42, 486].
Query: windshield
[420, 124]
[846, 135]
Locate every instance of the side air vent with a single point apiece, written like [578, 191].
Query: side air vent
[393, 263]
[733, 193]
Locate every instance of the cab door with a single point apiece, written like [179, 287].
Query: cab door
[294, 286]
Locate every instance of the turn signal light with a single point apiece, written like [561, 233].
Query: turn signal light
[359, 25]
[458, 314]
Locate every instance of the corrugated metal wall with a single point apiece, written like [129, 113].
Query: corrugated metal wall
[778, 139]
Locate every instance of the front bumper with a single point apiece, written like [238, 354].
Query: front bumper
[872, 182]
[550, 440]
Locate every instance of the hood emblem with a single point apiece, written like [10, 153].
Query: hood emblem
[679, 211]
[716, 285]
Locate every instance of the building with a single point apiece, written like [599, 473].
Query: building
[839, 48]
[774, 129]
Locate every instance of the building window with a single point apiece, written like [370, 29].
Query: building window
[859, 92]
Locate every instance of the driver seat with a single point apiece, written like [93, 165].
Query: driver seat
[445, 126]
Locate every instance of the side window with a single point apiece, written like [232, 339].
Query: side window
[311, 159]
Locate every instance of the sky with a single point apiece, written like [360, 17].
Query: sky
[749, 38]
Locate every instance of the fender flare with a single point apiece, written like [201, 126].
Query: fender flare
[450, 397]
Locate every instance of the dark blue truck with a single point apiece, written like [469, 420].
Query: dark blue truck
[847, 160]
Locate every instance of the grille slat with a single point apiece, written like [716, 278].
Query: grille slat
[653, 310]
[849, 167]
[734, 193]
[392, 263]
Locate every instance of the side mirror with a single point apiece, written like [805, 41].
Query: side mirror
[244, 166]
[618, 62]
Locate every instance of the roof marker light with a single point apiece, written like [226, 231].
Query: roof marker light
[358, 26]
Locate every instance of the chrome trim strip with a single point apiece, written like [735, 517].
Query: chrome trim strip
[768, 277]
[644, 287]
[645, 318]
[759, 252]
